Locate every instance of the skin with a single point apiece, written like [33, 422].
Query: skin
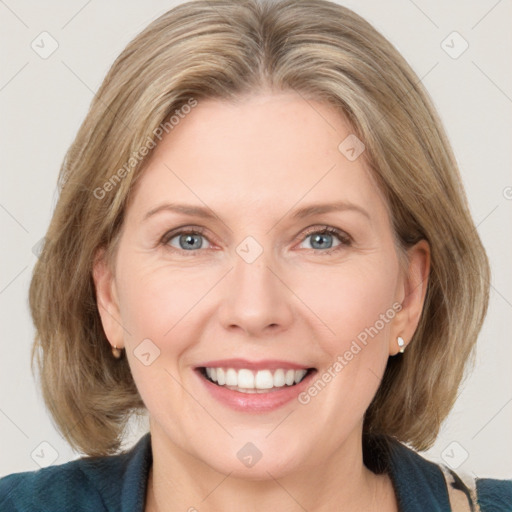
[253, 163]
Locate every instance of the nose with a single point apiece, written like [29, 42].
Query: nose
[256, 299]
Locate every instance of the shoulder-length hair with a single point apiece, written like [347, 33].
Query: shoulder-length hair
[218, 49]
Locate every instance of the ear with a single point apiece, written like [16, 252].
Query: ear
[106, 299]
[411, 294]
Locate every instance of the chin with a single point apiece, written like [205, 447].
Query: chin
[250, 456]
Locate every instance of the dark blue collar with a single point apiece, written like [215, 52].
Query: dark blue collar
[419, 484]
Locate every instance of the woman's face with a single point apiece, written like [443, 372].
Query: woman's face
[241, 280]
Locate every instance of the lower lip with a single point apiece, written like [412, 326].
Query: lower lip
[255, 402]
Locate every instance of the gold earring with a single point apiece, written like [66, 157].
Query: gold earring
[116, 351]
[401, 344]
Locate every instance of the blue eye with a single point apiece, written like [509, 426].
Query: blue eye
[322, 239]
[192, 240]
[187, 240]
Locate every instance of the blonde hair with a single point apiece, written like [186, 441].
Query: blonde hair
[220, 49]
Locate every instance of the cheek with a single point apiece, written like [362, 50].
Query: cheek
[163, 303]
[351, 299]
[355, 302]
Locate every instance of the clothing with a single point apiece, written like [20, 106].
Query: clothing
[118, 483]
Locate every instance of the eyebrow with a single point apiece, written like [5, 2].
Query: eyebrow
[306, 211]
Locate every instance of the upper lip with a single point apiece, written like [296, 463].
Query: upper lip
[266, 364]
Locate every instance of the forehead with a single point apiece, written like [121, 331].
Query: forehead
[266, 151]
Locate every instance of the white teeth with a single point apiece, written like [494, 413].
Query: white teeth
[264, 380]
[261, 380]
[279, 380]
[245, 379]
[221, 376]
[231, 378]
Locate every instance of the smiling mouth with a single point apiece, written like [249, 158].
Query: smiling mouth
[248, 381]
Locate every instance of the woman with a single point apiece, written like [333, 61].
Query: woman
[262, 240]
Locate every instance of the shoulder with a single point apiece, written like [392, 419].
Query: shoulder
[494, 495]
[89, 484]
[491, 495]
[53, 488]
[422, 484]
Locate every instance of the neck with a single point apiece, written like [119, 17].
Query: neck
[178, 481]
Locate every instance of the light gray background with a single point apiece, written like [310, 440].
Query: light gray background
[43, 102]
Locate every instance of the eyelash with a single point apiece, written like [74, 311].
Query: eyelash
[344, 238]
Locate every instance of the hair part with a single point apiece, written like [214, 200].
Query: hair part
[218, 49]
